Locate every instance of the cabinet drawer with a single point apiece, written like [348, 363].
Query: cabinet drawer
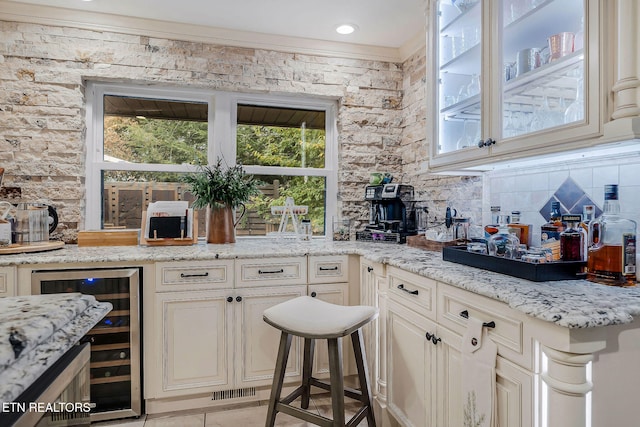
[7, 281]
[508, 333]
[328, 269]
[194, 275]
[414, 291]
[270, 272]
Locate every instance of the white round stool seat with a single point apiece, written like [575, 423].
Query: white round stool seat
[313, 318]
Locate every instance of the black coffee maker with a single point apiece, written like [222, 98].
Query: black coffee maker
[391, 213]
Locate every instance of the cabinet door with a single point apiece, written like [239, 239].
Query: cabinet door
[256, 346]
[515, 394]
[411, 377]
[7, 281]
[514, 386]
[335, 294]
[194, 332]
[371, 281]
[450, 399]
[513, 76]
[551, 94]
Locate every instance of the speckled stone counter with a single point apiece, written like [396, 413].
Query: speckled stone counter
[35, 331]
[569, 303]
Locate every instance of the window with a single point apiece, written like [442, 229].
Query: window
[141, 140]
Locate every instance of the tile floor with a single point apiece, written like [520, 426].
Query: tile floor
[252, 416]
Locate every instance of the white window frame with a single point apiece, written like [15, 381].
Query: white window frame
[221, 133]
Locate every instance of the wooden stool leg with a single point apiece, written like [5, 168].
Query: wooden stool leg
[363, 374]
[278, 377]
[307, 368]
[337, 380]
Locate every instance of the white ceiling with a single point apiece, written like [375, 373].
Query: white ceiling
[383, 23]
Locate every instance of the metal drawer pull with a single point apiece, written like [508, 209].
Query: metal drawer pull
[369, 269]
[402, 288]
[334, 268]
[431, 337]
[491, 324]
[182, 275]
[271, 272]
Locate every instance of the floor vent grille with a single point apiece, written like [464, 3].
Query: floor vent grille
[232, 394]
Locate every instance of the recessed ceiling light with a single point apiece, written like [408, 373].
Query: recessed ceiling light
[346, 28]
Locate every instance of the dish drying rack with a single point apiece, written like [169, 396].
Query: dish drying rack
[289, 212]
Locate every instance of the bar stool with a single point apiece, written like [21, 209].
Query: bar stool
[312, 319]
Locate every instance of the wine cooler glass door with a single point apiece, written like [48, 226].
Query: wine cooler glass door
[115, 342]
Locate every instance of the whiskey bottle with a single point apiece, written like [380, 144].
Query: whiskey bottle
[552, 229]
[522, 231]
[573, 240]
[611, 259]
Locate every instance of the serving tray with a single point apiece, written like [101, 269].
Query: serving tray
[558, 270]
[15, 248]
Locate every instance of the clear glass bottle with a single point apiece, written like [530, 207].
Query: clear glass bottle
[523, 230]
[502, 242]
[492, 227]
[611, 259]
[588, 215]
[573, 240]
[552, 229]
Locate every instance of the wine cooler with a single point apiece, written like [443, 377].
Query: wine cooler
[115, 341]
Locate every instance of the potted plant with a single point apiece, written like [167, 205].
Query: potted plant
[221, 189]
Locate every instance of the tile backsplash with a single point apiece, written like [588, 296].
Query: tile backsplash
[573, 184]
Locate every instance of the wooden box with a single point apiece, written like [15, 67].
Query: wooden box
[107, 237]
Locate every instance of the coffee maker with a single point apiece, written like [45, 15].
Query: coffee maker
[391, 213]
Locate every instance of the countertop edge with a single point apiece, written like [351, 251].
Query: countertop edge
[572, 304]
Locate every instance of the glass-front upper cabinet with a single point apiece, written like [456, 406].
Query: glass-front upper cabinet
[459, 73]
[513, 77]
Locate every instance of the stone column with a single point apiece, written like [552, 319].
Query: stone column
[565, 388]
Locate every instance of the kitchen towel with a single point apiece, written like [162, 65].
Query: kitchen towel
[479, 354]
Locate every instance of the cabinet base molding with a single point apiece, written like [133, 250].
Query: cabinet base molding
[213, 400]
[230, 399]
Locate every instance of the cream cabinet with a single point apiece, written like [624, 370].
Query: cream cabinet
[7, 281]
[513, 79]
[412, 379]
[373, 292]
[195, 346]
[334, 293]
[256, 342]
[425, 384]
[209, 334]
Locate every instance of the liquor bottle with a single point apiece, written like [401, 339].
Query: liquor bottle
[573, 240]
[612, 259]
[552, 229]
[492, 228]
[503, 242]
[588, 215]
[522, 231]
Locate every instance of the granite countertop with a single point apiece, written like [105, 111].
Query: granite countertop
[567, 303]
[36, 330]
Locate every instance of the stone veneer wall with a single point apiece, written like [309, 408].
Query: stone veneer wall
[463, 193]
[44, 69]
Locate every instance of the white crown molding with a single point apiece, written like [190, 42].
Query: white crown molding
[46, 15]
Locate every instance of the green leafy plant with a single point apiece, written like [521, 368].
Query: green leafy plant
[219, 186]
